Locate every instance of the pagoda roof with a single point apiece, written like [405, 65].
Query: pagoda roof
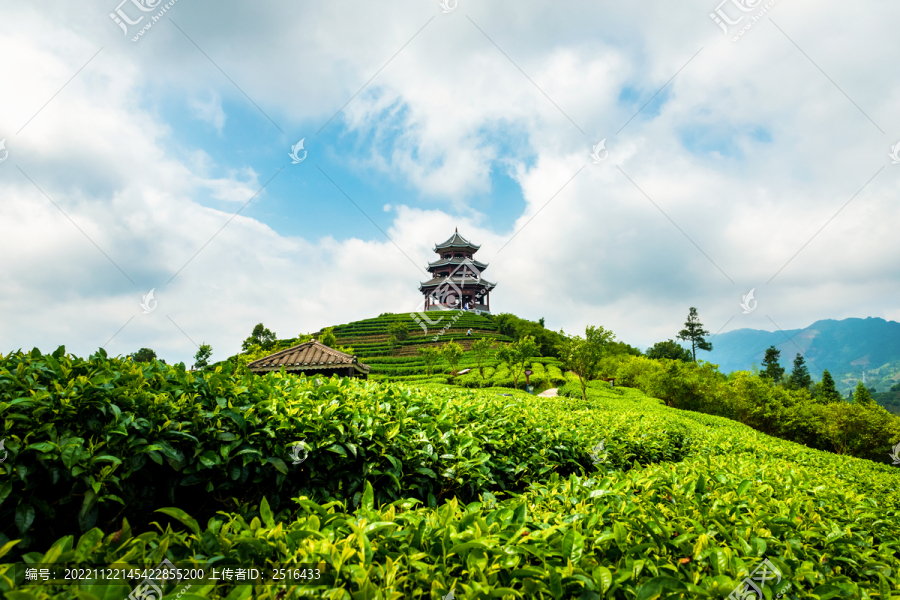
[456, 241]
[308, 356]
[461, 282]
[458, 261]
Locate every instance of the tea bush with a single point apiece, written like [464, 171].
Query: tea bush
[411, 492]
[91, 439]
[671, 530]
[862, 430]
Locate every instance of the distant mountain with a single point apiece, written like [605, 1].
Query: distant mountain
[850, 349]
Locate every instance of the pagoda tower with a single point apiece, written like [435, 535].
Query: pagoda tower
[456, 282]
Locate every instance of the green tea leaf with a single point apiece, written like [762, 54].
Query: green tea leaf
[266, 513]
[182, 517]
[24, 517]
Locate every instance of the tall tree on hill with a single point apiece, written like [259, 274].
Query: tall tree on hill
[481, 348]
[431, 355]
[799, 379]
[392, 343]
[826, 390]
[201, 359]
[669, 349]
[400, 330]
[517, 355]
[327, 338]
[773, 370]
[260, 336]
[862, 396]
[582, 356]
[452, 352]
[694, 333]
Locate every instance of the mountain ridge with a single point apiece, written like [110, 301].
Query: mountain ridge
[851, 349]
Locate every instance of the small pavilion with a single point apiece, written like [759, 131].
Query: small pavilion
[456, 282]
[311, 358]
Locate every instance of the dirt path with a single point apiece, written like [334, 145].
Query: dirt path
[548, 393]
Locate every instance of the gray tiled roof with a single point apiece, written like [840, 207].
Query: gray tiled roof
[458, 261]
[456, 241]
[308, 356]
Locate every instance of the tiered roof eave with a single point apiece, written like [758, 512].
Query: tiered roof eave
[457, 261]
[456, 241]
[458, 281]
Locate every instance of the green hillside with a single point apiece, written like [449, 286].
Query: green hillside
[419, 491]
[369, 337]
[369, 340]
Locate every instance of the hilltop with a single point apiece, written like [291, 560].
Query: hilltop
[369, 340]
[369, 337]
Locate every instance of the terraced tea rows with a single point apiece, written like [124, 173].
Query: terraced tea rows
[420, 491]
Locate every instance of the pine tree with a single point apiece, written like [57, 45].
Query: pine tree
[826, 390]
[773, 370]
[800, 379]
[694, 333]
[862, 396]
[201, 359]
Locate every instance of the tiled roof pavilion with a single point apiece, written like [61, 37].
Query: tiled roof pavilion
[456, 241]
[311, 357]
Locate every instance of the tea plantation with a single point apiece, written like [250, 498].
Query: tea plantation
[369, 337]
[419, 490]
[369, 340]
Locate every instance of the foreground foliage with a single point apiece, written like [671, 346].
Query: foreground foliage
[861, 429]
[673, 504]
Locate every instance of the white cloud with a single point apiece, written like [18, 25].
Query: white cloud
[209, 111]
[439, 116]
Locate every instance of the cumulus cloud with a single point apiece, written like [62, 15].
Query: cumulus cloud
[750, 169]
[210, 111]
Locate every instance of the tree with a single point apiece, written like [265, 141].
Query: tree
[669, 349]
[541, 321]
[481, 348]
[392, 343]
[144, 355]
[582, 356]
[431, 355]
[773, 370]
[517, 328]
[201, 359]
[826, 390]
[517, 354]
[452, 352]
[694, 333]
[400, 330]
[327, 338]
[261, 336]
[862, 396]
[799, 379]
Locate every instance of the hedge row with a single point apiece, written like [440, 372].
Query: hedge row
[703, 503]
[91, 438]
